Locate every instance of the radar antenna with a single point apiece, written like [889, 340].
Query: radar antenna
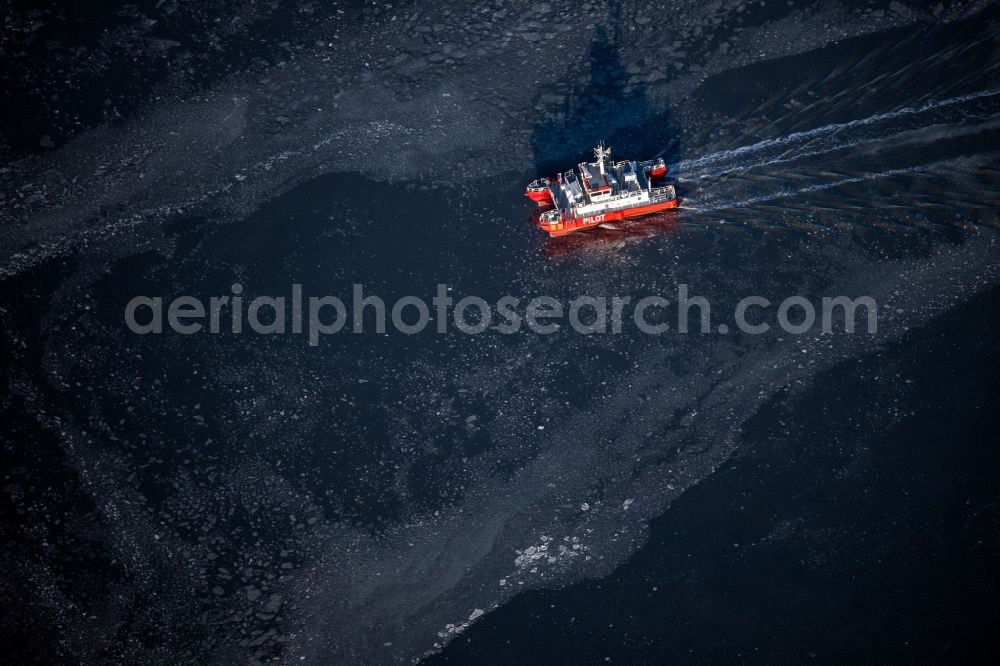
[601, 153]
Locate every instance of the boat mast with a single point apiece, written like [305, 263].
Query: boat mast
[600, 152]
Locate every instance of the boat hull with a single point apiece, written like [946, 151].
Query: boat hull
[568, 226]
[539, 191]
[542, 198]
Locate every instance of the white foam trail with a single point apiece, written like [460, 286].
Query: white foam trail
[959, 131]
[783, 194]
[733, 153]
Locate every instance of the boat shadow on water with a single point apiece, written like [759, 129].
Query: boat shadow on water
[602, 106]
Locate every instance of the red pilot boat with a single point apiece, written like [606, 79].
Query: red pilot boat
[599, 192]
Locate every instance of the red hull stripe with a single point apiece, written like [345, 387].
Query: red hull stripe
[576, 224]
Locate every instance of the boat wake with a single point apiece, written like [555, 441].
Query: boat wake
[890, 147]
[693, 168]
[940, 166]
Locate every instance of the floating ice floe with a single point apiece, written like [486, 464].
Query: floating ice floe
[547, 553]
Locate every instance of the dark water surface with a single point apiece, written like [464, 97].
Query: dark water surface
[863, 531]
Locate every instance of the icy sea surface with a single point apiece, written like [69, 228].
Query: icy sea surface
[563, 498]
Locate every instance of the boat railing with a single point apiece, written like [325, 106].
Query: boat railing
[656, 194]
[665, 192]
